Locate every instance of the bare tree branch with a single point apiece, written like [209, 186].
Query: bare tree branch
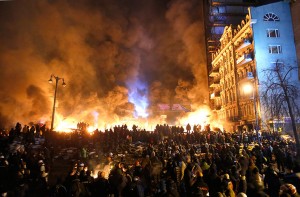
[279, 96]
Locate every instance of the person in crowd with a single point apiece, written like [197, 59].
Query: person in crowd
[134, 188]
[77, 188]
[272, 181]
[171, 189]
[199, 187]
[288, 190]
[164, 162]
[59, 190]
[100, 187]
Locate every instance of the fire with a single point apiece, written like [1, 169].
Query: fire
[65, 125]
[199, 117]
[69, 124]
[202, 116]
[91, 129]
[105, 169]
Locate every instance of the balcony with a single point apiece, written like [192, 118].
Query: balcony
[245, 58]
[214, 83]
[247, 42]
[212, 49]
[214, 72]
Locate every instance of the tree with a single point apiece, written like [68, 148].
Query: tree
[280, 95]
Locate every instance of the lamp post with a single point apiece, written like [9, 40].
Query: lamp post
[255, 113]
[55, 92]
[251, 88]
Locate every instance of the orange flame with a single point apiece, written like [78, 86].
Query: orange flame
[201, 116]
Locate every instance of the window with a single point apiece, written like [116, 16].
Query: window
[273, 64]
[275, 49]
[271, 17]
[272, 33]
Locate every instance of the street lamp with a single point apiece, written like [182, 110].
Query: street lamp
[55, 92]
[250, 88]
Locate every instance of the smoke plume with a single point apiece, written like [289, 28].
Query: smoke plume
[106, 50]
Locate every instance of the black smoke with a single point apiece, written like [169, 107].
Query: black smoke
[98, 46]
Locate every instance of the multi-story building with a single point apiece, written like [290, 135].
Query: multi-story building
[263, 38]
[221, 13]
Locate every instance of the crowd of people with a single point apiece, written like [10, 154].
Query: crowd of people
[169, 161]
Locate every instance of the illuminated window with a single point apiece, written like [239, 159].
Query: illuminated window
[275, 49]
[272, 33]
[271, 17]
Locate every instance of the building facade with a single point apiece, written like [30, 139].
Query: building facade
[262, 39]
[221, 13]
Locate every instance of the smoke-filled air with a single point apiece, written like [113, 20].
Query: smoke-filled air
[123, 61]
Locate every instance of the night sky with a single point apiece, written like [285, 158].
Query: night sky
[113, 54]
